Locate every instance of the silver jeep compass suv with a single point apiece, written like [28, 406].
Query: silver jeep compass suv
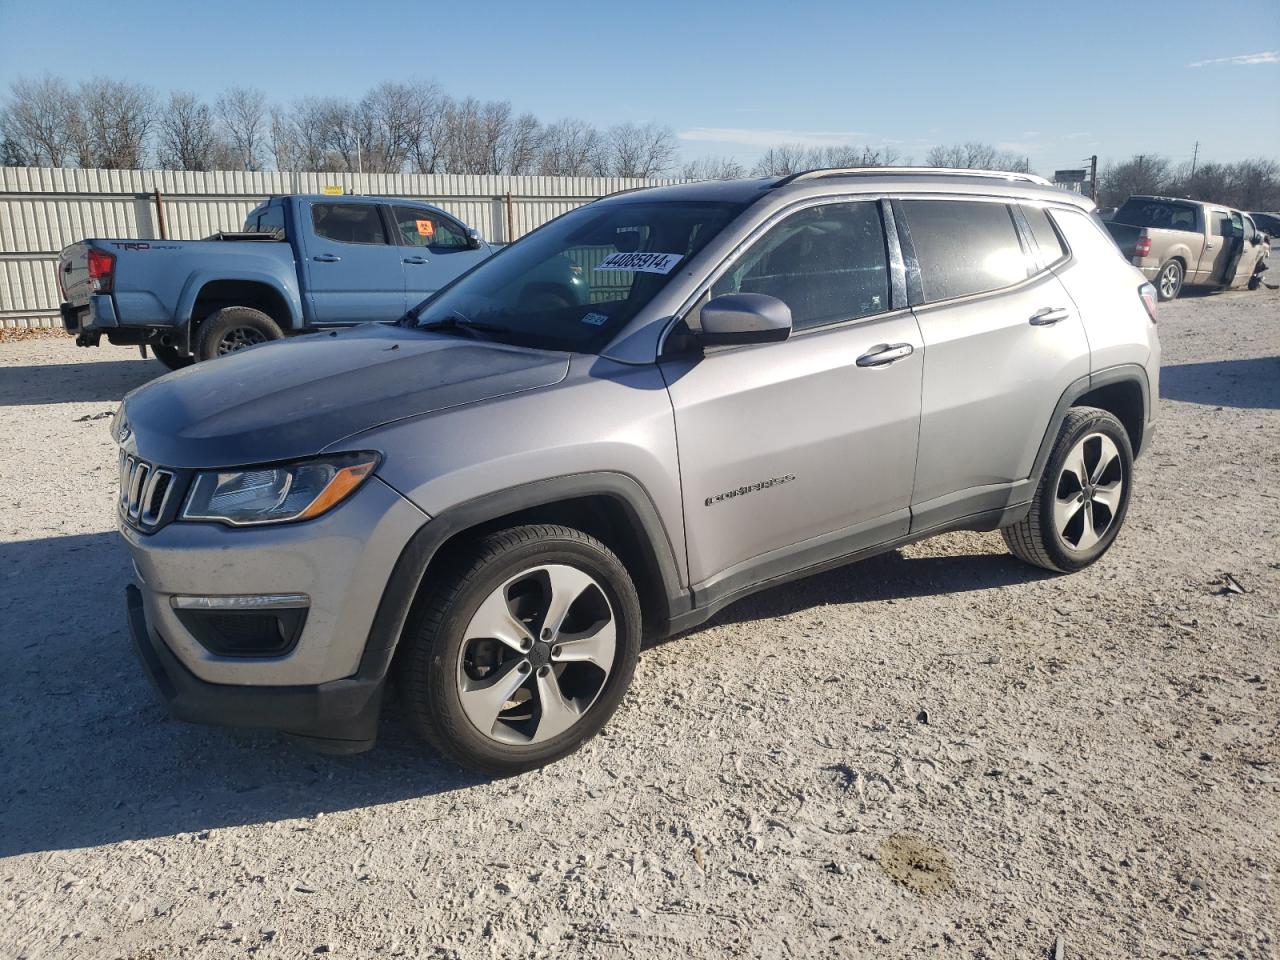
[492, 502]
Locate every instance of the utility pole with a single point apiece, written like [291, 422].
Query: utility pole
[1195, 154]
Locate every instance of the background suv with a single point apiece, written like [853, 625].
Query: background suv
[493, 502]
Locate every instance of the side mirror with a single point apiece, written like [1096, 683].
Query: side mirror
[744, 318]
[473, 239]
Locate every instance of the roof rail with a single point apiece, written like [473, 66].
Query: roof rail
[911, 171]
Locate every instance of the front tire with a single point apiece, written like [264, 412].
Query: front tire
[234, 328]
[523, 650]
[1082, 498]
[1169, 281]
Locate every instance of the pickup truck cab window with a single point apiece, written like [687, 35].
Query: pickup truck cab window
[422, 228]
[964, 247]
[828, 263]
[348, 222]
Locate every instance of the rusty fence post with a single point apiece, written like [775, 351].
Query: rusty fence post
[164, 230]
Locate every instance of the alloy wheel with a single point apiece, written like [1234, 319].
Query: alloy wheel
[1090, 491]
[238, 338]
[1169, 281]
[537, 654]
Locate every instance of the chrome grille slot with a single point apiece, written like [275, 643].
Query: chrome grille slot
[144, 491]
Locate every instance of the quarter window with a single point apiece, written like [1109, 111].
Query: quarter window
[422, 228]
[1046, 238]
[348, 222]
[827, 263]
[964, 247]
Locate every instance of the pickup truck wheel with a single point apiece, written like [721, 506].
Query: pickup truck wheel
[1169, 281]
[1083, 496]
[171, 356]
[234, 328]
[523, 650]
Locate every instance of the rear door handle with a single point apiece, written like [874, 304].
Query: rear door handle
[1048, 316]
[327, 258]
[883, 354]
[418, 260]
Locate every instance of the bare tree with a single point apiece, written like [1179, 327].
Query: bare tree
[12, 153]
[522, 145]
[1142, 174]
[391, 120]
[569, 148]
[713, 168]
[185, 134]
[430, 151]
[281, 140]
[243, 114]
[977, 156]
[38, 120]
[309, 134]
[792, 158]
[113, 123]
[638, 150]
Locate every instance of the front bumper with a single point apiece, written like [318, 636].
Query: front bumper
[327, 685]
[337, 717]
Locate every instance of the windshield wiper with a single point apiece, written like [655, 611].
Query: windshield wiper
[457, 322]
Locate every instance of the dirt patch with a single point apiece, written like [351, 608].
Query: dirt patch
[916, 864]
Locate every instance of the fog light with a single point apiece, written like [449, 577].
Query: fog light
[266, 625]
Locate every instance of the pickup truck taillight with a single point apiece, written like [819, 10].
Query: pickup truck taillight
[1143, 247]
[1147, 293]
[101, 267]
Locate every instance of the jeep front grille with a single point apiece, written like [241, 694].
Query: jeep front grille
[144, 491]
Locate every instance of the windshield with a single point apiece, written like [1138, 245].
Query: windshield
[572, 284]
[1164, 214]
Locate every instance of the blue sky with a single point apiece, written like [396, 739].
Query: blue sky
[1054, 81]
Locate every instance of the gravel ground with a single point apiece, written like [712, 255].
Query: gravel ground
[939, 750]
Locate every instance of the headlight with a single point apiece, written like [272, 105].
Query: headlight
[277, 493]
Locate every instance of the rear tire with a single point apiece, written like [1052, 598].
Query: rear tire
[171, 356]
[497, 681]
[232, 329]
[1169, 281]
[1082, 498]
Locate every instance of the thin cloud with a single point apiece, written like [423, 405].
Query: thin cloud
[750, 137]
[1242, 59]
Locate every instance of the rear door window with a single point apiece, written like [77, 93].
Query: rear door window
[827, 263]
[964, 247]
[348, 222]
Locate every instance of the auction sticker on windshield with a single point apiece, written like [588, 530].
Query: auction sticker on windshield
[641, 262]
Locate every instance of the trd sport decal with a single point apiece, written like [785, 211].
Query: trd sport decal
[749, 488]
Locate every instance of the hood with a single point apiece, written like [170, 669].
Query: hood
[294, 398]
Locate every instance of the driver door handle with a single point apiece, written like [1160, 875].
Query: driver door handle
[418, 260]
[1048, 316]
[326, 258]
[883, 354]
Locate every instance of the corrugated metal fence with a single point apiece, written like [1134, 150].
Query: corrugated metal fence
[43, 210]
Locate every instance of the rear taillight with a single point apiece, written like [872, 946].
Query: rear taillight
[101, 267]
[1142, 247]
[1147, 293]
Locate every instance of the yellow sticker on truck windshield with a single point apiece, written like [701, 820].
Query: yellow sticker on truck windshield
[641, 262]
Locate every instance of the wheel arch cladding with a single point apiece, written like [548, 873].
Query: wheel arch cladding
[1126, 401]
[614, 508]
[213, 295]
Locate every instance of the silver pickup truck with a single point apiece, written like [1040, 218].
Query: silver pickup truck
[1186, 242]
